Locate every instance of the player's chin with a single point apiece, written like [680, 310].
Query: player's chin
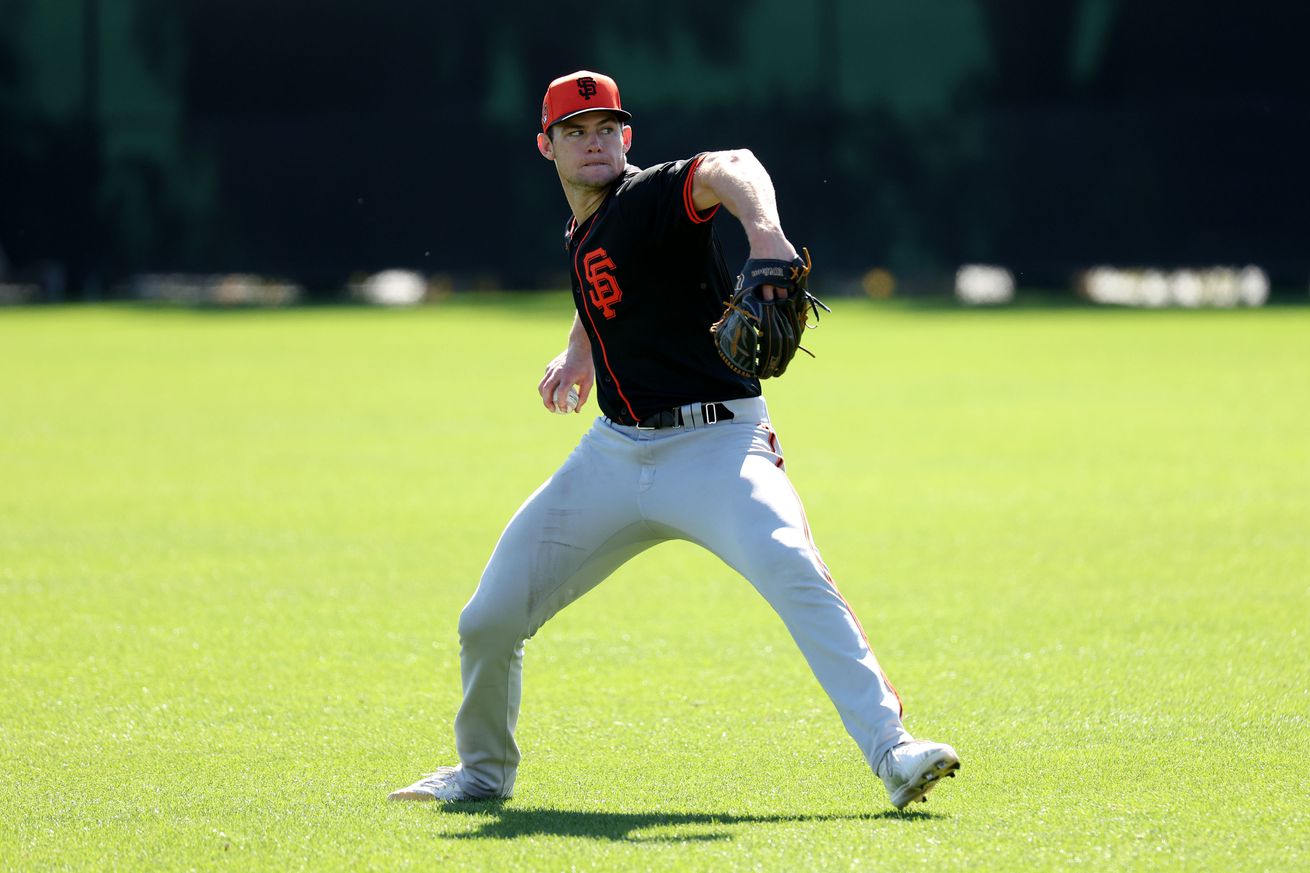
[596, 175]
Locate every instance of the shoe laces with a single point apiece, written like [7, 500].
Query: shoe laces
[444, 776]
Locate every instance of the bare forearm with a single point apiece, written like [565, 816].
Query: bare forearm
[570, 367]
[579, 342]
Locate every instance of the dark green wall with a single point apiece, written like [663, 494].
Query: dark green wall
[316, 140]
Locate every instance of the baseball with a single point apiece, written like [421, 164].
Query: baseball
[570, 402]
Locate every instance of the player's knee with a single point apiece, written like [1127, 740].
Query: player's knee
[482, 627]
[793, 574]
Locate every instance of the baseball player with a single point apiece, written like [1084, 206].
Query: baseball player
[684, 447]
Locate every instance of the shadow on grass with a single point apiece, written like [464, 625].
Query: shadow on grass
[509, 823]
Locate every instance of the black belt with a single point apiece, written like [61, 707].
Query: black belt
[711, 413]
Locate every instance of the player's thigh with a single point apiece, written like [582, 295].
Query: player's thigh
[567, 536]
[745, 508]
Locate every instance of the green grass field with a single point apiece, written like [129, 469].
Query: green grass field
[234, 545]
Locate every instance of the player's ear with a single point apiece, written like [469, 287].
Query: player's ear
[627, 138]
[545, 146]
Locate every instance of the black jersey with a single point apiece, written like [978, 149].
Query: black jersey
[648, 281]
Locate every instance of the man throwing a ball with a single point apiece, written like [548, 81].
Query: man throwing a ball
[683, 449]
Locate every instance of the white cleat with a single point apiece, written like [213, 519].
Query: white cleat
[443, 785]
[912, 769]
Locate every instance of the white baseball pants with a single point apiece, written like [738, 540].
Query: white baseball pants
[621, 491]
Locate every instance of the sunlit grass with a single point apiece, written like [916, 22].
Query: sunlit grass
[233, 547]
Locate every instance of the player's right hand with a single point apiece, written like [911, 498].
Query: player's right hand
[566, 371]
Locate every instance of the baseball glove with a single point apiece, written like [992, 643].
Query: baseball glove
[758, 337]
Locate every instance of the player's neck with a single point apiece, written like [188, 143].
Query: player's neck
[584, 201]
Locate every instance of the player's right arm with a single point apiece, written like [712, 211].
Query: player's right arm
[739, 181]
[571, 367]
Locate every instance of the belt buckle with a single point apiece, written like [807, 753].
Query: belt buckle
[709, 413]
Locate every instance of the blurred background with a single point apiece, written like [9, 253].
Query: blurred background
[282, 150]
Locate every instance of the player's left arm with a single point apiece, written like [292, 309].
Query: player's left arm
[739, 181]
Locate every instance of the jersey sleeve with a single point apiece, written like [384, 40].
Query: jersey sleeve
[658, 200]
[687, 176]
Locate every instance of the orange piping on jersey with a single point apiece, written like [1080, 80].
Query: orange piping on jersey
[827, 575]
[595, 330]
[688, 202]
[777, 450]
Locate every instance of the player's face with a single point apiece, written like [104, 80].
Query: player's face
[589, 150]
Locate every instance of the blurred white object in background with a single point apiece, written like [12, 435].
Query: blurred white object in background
[1185, 288]
[393, 288]
[1106, 285]
[225, 289]
[1222, 287]
[982, 284]
[1153, 289]
[1253, 286]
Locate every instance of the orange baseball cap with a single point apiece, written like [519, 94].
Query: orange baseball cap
[583, 91]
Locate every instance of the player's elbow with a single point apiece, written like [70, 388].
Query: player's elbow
[726, 170]
[734, 158]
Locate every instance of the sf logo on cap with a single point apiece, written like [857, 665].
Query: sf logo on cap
[586, 87]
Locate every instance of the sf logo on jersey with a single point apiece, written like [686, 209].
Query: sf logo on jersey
[604, 292]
